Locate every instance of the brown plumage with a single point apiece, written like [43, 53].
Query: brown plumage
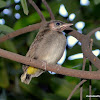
[48, 46]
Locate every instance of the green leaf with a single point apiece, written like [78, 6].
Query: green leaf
[24, 5]
[96, 1]
[5, 30]
[2, 4]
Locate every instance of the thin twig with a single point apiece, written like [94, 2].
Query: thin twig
[37, 9]
[90, 82]
[84, 63]
[81, 91]
[50, 67]
[76, 87]
[49, 9]
[81, 87]
[90, 69]
[90, 89]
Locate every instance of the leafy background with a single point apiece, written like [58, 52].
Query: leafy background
[47, 86]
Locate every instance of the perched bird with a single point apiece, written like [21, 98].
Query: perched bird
[48, 46]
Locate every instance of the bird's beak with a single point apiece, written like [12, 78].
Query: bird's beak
[66, 25]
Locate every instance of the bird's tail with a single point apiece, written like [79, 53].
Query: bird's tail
[29, 73]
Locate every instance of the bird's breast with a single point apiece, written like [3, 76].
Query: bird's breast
[51, 48]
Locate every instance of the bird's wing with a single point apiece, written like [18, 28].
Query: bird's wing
[32, 49]
[34, 45]
[26, 77]
[36, 42]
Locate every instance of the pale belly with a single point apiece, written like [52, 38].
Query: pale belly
[54, 54]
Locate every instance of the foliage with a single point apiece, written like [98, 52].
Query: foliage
[47, 86]
[96, 1]
[2, 3]
[4, 30]
[24, 5]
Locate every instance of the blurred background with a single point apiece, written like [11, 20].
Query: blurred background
[84, 14]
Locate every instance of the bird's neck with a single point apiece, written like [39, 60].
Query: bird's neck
[44, 30]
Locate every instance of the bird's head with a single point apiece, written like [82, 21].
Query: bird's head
[57, 25]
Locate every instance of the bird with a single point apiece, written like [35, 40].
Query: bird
[48, 46]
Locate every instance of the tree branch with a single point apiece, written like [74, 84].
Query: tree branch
[37, 9]
[84, 80]
[93, 31]
[81, 86]
[49, 9]
[75, 34]
[35, 27]
[21, 31]
[54, 68]
[90, 69]
[84, 39]
[87, 52]
[76, 87]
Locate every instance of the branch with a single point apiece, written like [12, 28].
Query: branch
[35, 27]
[84, 80]
[93, 31]
[76, 87]
[87, 52]
[54, 68]
[90, 82]
[81, 86]
[37, 9]
[49, 9]
[21, 31]
[90, 69]
[84, 39]
[75, 34]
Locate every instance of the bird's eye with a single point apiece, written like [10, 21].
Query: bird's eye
[57, 23]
